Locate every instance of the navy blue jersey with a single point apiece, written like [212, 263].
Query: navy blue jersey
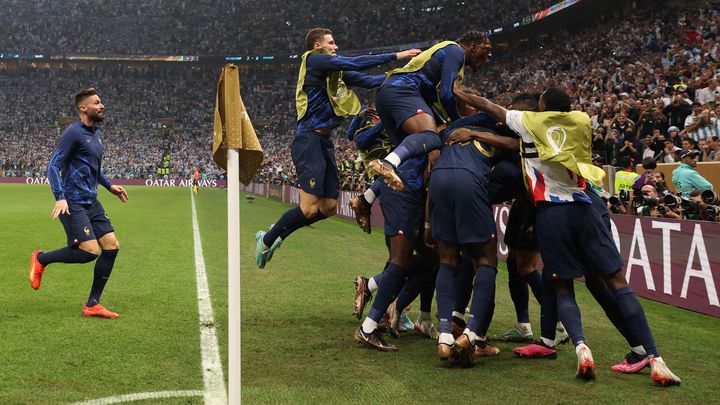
[319, 111]
[74, 168]
[369, 137]
[442, 68]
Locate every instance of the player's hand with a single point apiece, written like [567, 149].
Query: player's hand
[369, 114]
[410, 53]
[429, 240]
[457, 90]
[61, 207]
[460, 135]
[119, 192]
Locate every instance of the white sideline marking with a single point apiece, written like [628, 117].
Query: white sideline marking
[213, 378]
[141, 396]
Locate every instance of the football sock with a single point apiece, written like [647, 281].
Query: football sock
[416, 144]
[291, 219]
[639, 350]
[374, 190]
[534, 280]
[445, 294]
[428, 291]
[66, 255]
[487, 319]
[472, 336]
[518, 292]
[635, 320]
[319, 217]
[524, 326]
[607, 301]
[103, 268]
[372, 284]
[548, 309]
[569, 314]
[446, 338]
[392, 283]
[425, 317]
[368, 325]
[482, 298]
[463, 284]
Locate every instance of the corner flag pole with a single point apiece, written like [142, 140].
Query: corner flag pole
[234, 329]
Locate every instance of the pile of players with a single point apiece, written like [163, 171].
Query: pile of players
[443, 156]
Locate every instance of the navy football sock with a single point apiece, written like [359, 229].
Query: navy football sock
[417, 144]
[376, 186]
[291, 219]
[445, 295]
[103, 268]
[427, 291]
[488, 316]
[413, 284]
[635, 320]
[569, 314]
[392, 283]
[482, 298]
[319, 217]
[548, 309]
[66, 255]
[607, 301]
[518, 292]
[463, 285]
[534, 280]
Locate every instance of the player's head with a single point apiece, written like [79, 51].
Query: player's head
[554, 99]
[524, 102]
[318, 38]
[464, 108]
[477, 48]
[88, 104]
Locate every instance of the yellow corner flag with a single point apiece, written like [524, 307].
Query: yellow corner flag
[232, 127]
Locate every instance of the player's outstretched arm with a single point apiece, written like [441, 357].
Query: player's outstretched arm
[482, 104]
[462, 135]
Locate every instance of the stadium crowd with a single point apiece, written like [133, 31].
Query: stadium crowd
[181, 27]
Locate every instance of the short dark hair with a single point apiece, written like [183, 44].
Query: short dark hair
[81, 95]
[624, 162]
[472, 38]
[556, 100]
[315, 35]
[529, 99]
[649, 163]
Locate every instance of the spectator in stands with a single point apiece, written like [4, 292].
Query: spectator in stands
[626, 176]
[700, 124]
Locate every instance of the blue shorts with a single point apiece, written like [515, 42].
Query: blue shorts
[85, 222]
[574, 241]
[599, 206]
[314, 158]
[403, 211]
[460, 211]
[395, 104]
[505, 182]
[520, 230]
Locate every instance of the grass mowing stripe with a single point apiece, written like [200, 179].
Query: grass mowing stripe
[212, 365]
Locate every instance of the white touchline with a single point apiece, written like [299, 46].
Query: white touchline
[213, 378]
[141, 396]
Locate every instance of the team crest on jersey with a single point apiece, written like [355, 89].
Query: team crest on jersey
[312, 182]
[87, 231]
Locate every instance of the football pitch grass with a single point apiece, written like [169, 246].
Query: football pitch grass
[297, 344]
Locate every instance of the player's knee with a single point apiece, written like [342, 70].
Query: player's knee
[328, 208]
[615, 281]
[93, 250]
[310, 210]
[112, 245]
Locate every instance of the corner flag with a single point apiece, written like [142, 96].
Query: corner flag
[237, 150]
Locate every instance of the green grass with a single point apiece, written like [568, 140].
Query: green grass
[297, 344]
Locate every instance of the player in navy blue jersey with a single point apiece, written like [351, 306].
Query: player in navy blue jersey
[74, 173]
[322, 101]
[572, 237]
[413, 96]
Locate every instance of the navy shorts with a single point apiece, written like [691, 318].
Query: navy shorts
[520, 230]
[314, 158]
[599, 206]
[505, 182]
[85, 222]
[460, 211]
[395, 104]
[574, 241]
[403, 211]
